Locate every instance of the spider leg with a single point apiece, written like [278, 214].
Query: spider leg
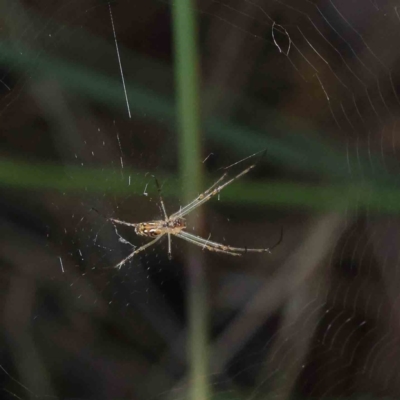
[200, 196]
[205, 244]
[118, 221]
[266, 250]
[210, 194]
[161, 199]
[212, 186]
[226, 248]
[145, 246]
[278, 242]
[169, 247]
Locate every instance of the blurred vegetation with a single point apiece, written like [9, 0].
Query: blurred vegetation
[295, 150]
[339, 197]
[310, 172]
[187, 78]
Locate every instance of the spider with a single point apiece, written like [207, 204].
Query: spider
[175, 224]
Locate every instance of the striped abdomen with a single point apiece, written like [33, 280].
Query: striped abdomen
[156, 228]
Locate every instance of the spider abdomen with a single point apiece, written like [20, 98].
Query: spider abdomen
[157, 228]
[149, 229]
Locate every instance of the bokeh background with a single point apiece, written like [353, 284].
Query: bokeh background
[315, 84]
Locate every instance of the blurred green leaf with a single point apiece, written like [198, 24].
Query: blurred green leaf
[301, 151]
[25, 176]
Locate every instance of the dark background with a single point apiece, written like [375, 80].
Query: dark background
[316, 83]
